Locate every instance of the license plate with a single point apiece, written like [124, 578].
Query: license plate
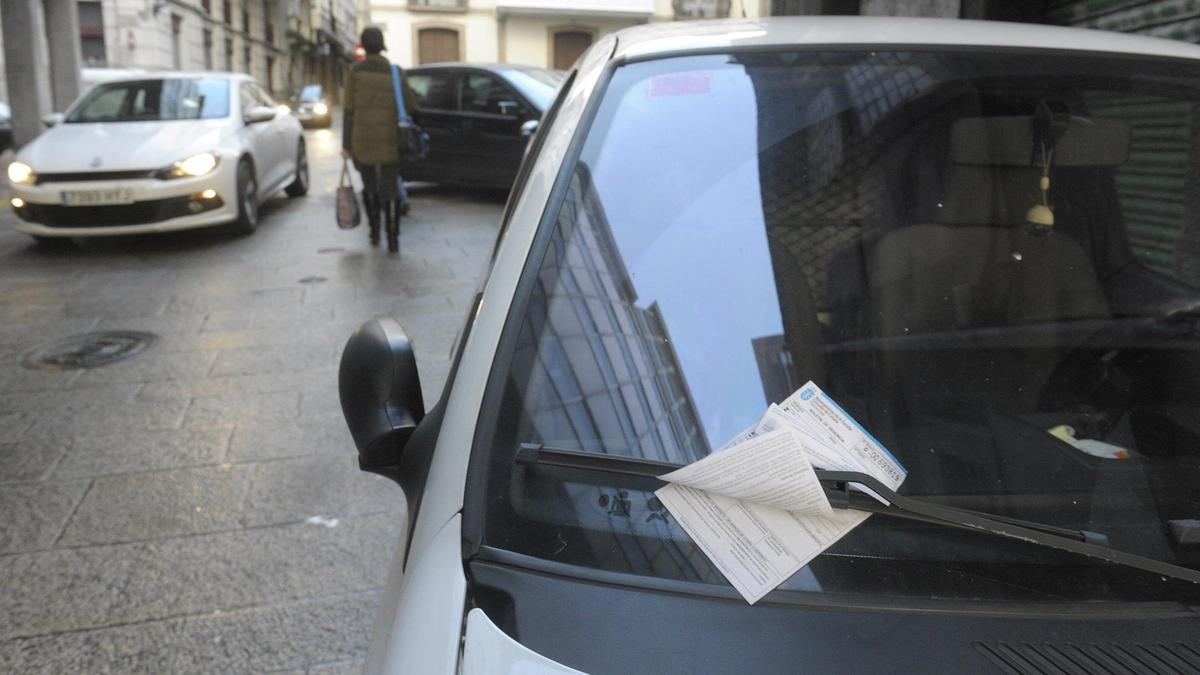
[96, 197]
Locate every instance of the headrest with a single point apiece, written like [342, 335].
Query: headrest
[1008, 141]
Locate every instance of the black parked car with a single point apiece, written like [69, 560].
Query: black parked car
[479, 119]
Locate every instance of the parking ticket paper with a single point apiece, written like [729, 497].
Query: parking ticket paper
[756, 508]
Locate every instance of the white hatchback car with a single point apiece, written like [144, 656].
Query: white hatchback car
[979, 238]
[158, 153]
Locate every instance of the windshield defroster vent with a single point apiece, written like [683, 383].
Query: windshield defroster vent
[1114, 657]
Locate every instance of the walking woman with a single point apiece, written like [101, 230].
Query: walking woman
[370, 138]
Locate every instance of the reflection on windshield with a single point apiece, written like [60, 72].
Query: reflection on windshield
[968, 252]
[153, 100]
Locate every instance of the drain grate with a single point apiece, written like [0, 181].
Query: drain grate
[88, 350]
[313, 280]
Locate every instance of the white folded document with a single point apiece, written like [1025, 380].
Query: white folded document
[755, 506]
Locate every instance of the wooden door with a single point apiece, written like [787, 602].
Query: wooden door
[437, 45]
[568, 45]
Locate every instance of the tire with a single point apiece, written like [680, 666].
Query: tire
[299, 187]
[247, 195]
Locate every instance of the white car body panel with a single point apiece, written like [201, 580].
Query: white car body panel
[146, 146]
[488, 651]
[420, 620]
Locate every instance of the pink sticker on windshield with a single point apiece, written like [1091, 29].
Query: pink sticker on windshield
[680, 84]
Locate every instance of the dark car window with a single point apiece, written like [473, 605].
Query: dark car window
[311, 92]
[435, 90]
[486, 94]
[162, 100]
[867, 220]
[537, 84]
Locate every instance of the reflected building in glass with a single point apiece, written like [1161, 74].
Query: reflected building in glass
[604, 375]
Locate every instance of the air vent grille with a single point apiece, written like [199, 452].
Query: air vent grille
[1142, 658]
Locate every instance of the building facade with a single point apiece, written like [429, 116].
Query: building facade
[543, 33]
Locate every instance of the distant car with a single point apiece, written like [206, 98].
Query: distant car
[479, 120]
[5, 127]
[312, 107]
[978, 238]
[152, 154]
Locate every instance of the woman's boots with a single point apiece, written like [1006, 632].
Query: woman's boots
[373, 207]
[393, 225]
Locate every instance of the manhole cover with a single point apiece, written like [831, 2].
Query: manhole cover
[89, 350]
[313, 280]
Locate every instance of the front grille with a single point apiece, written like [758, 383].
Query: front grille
[82, 176]
[138, 213]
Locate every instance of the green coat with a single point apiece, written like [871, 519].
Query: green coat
[370, 111]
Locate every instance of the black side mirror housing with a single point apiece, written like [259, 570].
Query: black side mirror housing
[381, 394]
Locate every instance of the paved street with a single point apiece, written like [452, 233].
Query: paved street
[198, 508]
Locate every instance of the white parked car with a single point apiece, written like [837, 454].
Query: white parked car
[157, 153]
[979, 238]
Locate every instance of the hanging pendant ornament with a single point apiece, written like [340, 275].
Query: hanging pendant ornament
[1039, 216]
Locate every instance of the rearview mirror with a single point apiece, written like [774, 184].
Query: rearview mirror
[380, 394]
[259, 113]
[53, 119]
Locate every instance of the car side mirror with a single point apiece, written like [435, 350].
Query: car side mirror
[259, 113]
[53, 119]
[529, 128]
[381, 394]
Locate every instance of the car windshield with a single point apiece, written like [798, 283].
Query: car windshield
[874, 221]
[153, 100]
[538, 85]
[311, 92]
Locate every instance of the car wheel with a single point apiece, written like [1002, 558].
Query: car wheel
[299, 187]
[247, 195]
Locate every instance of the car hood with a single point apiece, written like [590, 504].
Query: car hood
[121, 146]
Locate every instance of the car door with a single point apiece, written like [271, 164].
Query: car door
[282, 147]
[259, 138]
[492, 116]
[439, 112]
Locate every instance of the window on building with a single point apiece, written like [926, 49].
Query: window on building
[229, 54]
[701, 9]
[208, 47]
[437, 45]
[568, 46]
[206, 5]
[246, 21]
[270, 73]
[246, 60]
[91, 34]
[176, 41]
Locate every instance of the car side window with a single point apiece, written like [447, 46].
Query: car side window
[486, 94]
[247, 97]
[263, 97]
[434, 91]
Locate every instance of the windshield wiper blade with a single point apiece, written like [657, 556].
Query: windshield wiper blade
[841, 496]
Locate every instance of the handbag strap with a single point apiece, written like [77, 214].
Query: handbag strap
[401, 113]
[344, 180]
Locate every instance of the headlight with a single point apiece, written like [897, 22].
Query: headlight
[320, 109]
[282, 109]
[196, 165]
[21, 173]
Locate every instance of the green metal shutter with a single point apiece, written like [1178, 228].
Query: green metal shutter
[1153, 185]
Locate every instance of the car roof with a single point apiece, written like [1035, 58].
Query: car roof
[491, 67]
[664, 39]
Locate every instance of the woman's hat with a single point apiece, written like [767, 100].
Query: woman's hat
[372, 40]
